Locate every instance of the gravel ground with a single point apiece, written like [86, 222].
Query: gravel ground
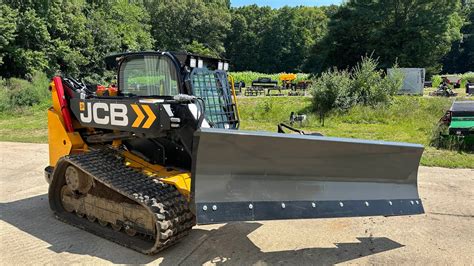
[444, 235]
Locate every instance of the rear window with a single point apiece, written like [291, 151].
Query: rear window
[148, 76]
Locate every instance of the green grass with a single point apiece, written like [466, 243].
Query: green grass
[408, 119]
[25, 125]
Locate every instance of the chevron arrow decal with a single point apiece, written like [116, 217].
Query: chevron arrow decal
[140, 115]
[151, 116]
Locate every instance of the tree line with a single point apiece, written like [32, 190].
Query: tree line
[73, 36]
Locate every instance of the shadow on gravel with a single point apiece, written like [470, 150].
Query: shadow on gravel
[227, 245]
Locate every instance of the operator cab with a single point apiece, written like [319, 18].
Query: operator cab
[170, 74]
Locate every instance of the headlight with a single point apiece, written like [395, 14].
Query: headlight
[192, 62]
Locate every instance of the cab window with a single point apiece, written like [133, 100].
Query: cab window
[148, 75]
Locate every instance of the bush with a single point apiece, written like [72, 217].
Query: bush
[23, 97]
[17, 93]
[436, 80]
[370, 87]
[341, 90]
[467, 77]
[4, 102]
[394, 82]
[332, 91]
[367, 81]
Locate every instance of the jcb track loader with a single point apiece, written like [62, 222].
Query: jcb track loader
[142, 163]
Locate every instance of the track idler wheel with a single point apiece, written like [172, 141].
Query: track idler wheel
[116, 227]
[91, 218]
[103, 223]
[66, 193]
[77, 180]
[129, 231]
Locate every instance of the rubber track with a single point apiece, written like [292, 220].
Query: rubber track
[170, 209]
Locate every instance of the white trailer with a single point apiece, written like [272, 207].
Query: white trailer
[413, 82]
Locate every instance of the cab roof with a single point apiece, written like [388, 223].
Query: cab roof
[183, 58]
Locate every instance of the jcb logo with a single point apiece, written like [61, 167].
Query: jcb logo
[115, 114]
[141, 116]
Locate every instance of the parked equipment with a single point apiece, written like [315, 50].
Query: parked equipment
[470, 88]
[295, 88]
[259, 85]
[444, 89]
[297, 118]
[455, 81]
[456, 127]
[239, 86]
[300, 88]
[288, 81]
[143, 166]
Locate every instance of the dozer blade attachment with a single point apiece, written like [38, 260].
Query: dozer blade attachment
[245, 175]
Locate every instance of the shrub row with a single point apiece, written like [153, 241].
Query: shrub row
[362, 85]
[18, 93]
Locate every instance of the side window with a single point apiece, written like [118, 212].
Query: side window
[148, 75]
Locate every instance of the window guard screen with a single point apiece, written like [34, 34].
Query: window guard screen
[213, 87]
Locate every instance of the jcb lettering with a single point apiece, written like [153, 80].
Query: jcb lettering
[114, 114]
[87, 118]
[118, 114]
[100, 120]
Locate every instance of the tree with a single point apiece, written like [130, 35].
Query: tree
[416, 32]
[244, 41]
[176, 24]
[468, 43]
[283, 42]
[8, 17]
[69, 36]
[71, 42]
[273, 40]
[114, 27]
[199, 48]
[27, 52]
[132, 24]
[461, 57]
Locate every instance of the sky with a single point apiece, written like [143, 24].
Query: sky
[280, 3]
